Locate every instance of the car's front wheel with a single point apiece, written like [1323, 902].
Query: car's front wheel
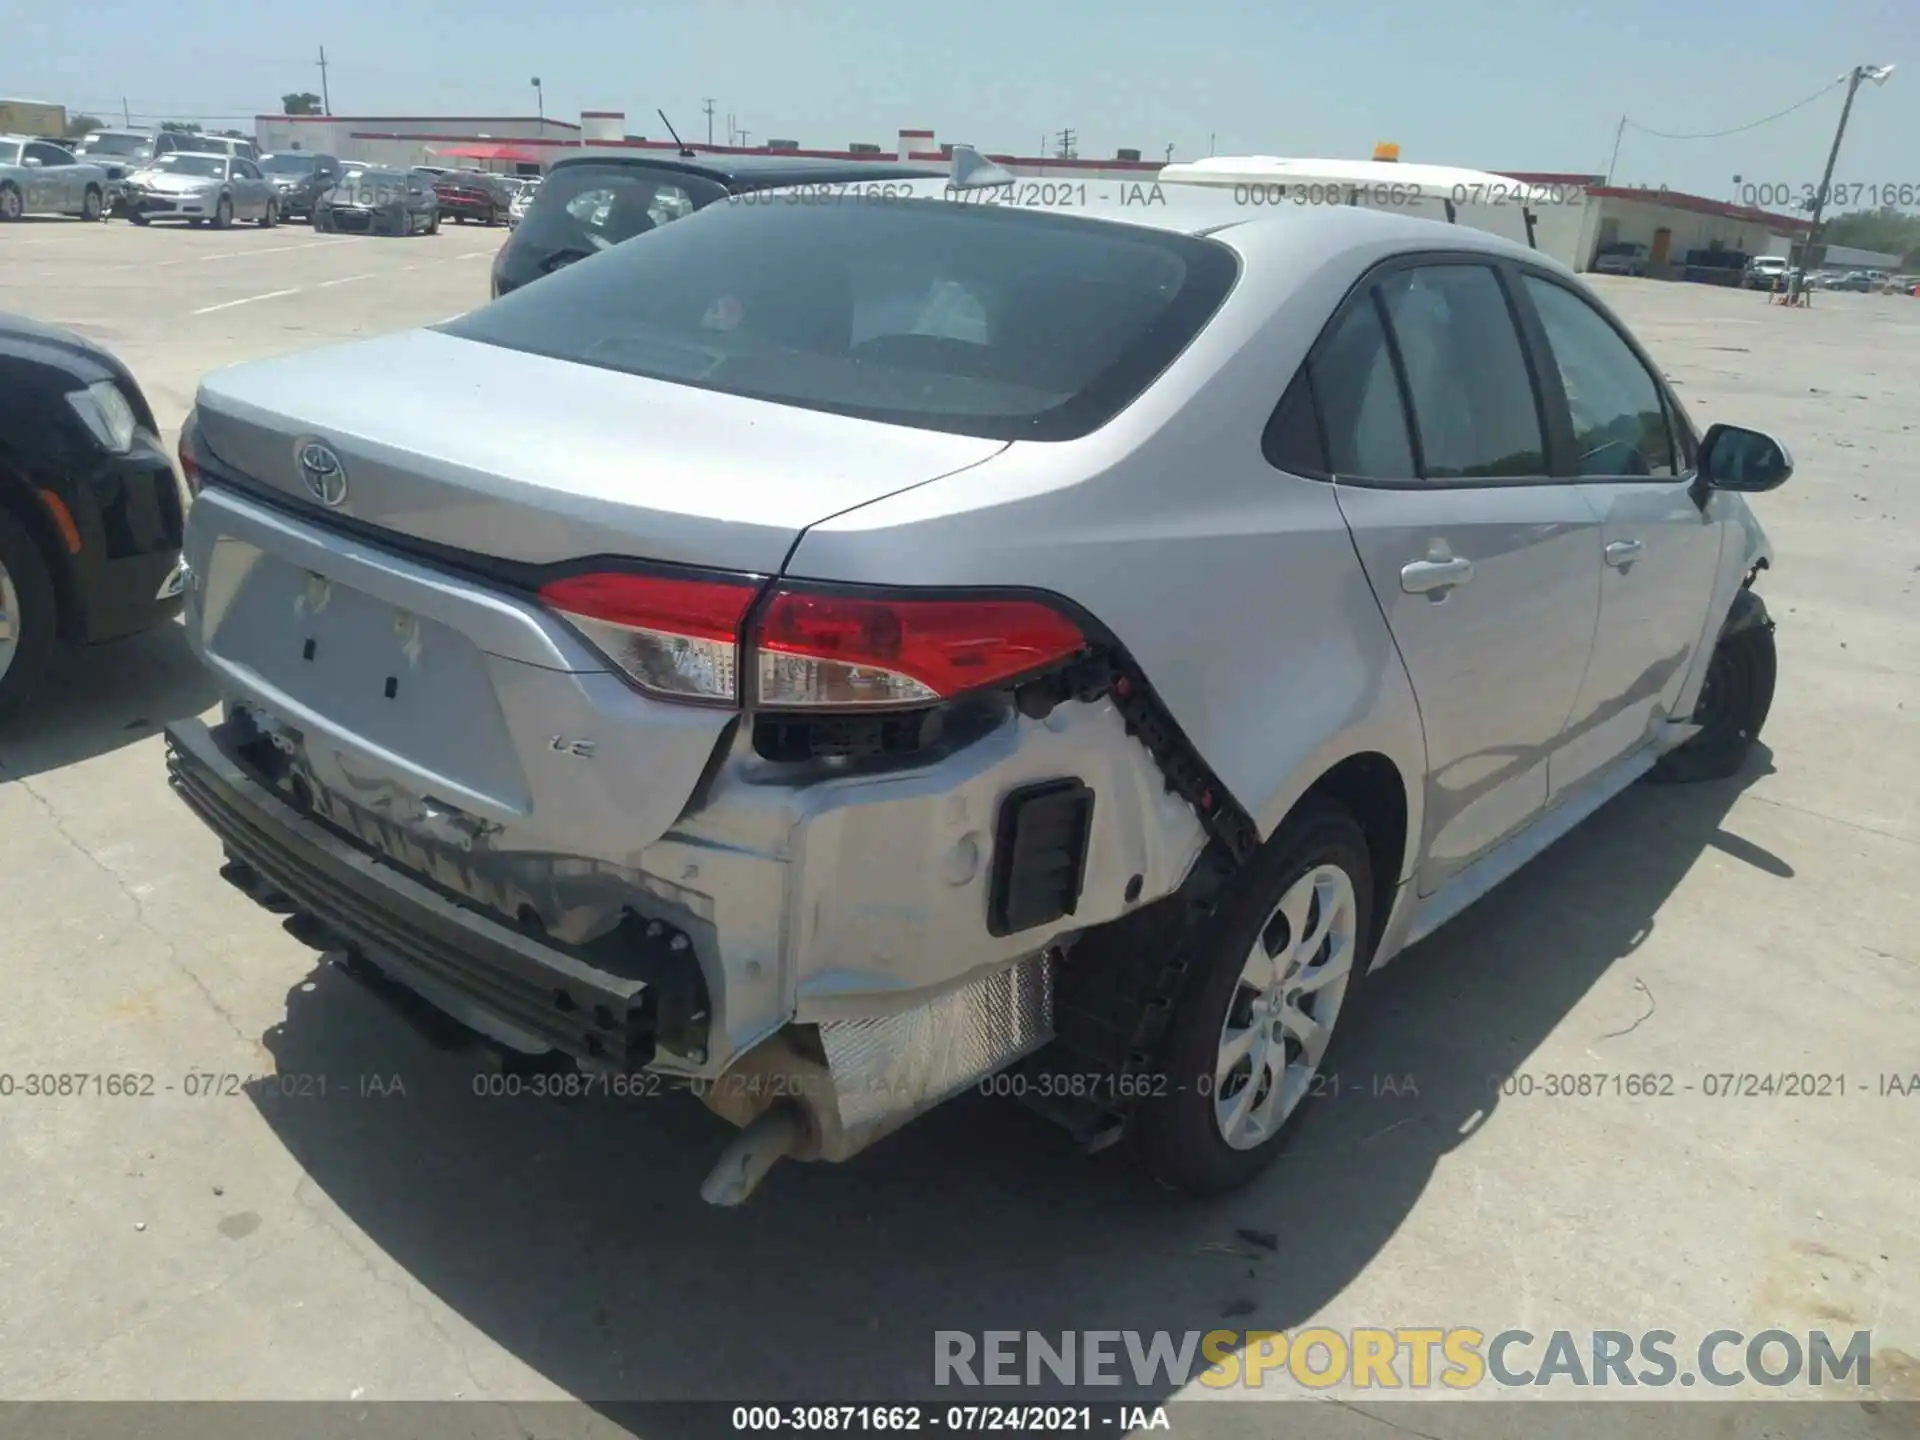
[92, 207]
[270, 217]
[223, 213]
[1273, 975]
[1735, 699]
[27, 618]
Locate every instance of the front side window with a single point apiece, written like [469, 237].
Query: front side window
[50, 156]
[980, 320]
[1619, 423]
[1472, 397]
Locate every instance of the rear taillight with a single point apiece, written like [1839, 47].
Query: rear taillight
[811, 649]
[189, 464]
[676, 638]
[815, 649]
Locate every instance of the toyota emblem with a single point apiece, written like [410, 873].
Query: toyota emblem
[325, 476]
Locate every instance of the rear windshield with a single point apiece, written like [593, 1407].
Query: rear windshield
[289, 163]
[581, 210]
[137, 147]
[982, 320]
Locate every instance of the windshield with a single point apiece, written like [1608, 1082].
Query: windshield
[980, 320]
[213, 167]
[290, 164]
[134, 147]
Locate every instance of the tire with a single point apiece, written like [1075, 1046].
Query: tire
[459, 217]
[11, 206]
[272, 216]
[196, 221]
[30, 620]
[1734, 703]
[433, 225]
[1314, 874]
[223, 213]
[134, 217]
[93, 207]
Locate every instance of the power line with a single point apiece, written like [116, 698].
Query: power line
[1716, 134]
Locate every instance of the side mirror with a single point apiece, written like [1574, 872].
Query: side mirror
[1733, 458]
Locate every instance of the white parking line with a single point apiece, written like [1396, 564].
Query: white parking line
[229, 304]
[473, 254]
[264, 250]
[343, 280]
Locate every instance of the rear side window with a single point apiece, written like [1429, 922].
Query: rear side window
[1473, 401]
[982, 320]
[1364, 421]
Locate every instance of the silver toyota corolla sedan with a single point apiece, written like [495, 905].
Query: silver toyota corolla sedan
[851, 647]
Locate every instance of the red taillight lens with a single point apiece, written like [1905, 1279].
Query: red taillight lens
[838, 650]
[189, 466]
[677, 638]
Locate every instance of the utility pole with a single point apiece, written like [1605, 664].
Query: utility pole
[326, 100]
[126, 115]
[707, 106]
[1618, 131]
[1068, 139]
[1169, 154]
[540, 98]
[1876, 73]
[743, 141]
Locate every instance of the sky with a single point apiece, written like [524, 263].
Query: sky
[1491, 84]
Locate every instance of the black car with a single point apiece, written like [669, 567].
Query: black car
[300, 177]
[590, 203]
[90, 504]
[367, 200]
[473, 195]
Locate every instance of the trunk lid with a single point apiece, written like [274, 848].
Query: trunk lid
[525, 458]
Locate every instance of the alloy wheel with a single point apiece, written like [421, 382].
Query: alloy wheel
[1283, 1012]
[10, 204]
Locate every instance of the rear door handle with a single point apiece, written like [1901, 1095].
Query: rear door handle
[1622, 553]
[1435, 577]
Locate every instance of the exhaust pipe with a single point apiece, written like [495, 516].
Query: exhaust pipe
[778, 1133]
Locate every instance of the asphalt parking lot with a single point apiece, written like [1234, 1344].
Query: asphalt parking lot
[374, 1244]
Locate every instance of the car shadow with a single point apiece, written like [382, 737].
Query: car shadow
[104, 697]
[571, 1234]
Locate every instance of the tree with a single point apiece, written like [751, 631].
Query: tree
[180, 127]
[78, 125]
[1888, 230]
[300, 102]
[235, 134]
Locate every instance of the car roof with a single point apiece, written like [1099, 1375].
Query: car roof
[757, 170]
[1212, 210]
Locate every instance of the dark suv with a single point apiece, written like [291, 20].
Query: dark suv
[473, 195]
[300, 178]
[589, 203]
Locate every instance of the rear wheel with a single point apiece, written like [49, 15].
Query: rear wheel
[11, 205]
[270, 217]
[1277, 969]
[93, 206]
[223, 213]
[27, 614]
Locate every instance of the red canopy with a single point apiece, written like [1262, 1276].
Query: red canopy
[514, 153]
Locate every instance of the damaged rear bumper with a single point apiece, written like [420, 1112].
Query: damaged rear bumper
[512, 988]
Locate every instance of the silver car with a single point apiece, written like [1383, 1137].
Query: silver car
[202, 187]
[850, 648]
[38, 177]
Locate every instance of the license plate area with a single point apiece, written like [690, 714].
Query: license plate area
[388, 681]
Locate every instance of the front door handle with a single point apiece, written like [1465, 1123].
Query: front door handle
[1622, 553]
[1435, 577]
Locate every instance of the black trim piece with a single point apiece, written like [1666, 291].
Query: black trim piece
[1039, 855]
[1409, 416]
[1748, 612]
[592, 1014]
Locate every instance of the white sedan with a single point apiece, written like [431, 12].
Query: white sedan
[39, 177]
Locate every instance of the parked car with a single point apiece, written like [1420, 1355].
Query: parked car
[473, 195]
[90, 506]
[523, 197]
[590, 203]
[379, 201]
[1764, 272]
[200, 188]
[891, 720]
[119, 152]
[39, 177]
[1622, 257]
[300, 178]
